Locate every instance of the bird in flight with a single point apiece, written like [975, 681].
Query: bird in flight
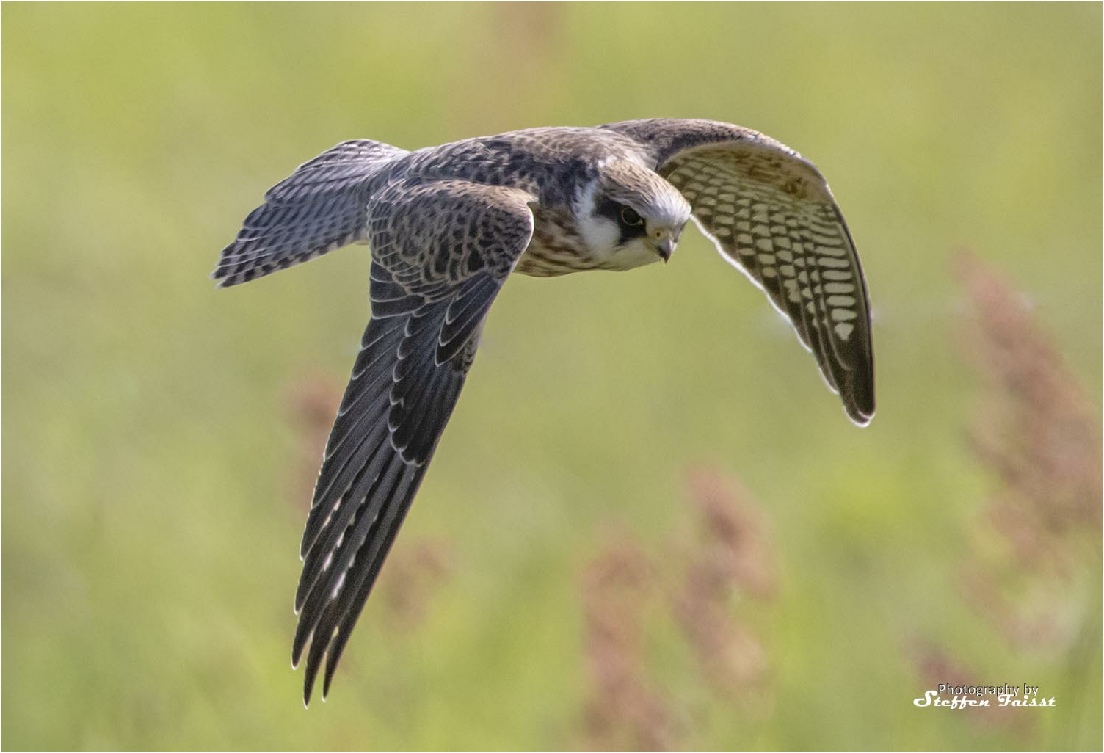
[446, 226]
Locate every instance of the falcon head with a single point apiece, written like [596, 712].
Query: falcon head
[628, 216]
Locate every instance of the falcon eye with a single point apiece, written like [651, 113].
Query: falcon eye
[630, 217]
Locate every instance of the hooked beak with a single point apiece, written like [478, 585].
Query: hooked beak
[665, 246]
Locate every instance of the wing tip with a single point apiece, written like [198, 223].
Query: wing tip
[860, 418]
[858, 400]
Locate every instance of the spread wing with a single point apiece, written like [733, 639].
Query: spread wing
[318, 208]
[769, 212]
[441, 252]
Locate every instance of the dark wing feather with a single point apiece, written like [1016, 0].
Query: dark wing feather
[320, 207]
[769, 211]
[441, 253]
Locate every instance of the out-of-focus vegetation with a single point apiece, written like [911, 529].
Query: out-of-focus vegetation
[158, 433]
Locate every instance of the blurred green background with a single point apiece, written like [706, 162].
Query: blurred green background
[154, 482]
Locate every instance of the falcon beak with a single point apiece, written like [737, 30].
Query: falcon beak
[665, 246]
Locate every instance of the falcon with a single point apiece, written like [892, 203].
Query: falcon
[446, 226]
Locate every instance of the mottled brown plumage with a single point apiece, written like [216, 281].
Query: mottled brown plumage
[446, 225]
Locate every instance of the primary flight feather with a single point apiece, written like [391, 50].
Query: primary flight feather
[446, 226]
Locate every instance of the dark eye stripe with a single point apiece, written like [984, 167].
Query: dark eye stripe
[613, 211]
